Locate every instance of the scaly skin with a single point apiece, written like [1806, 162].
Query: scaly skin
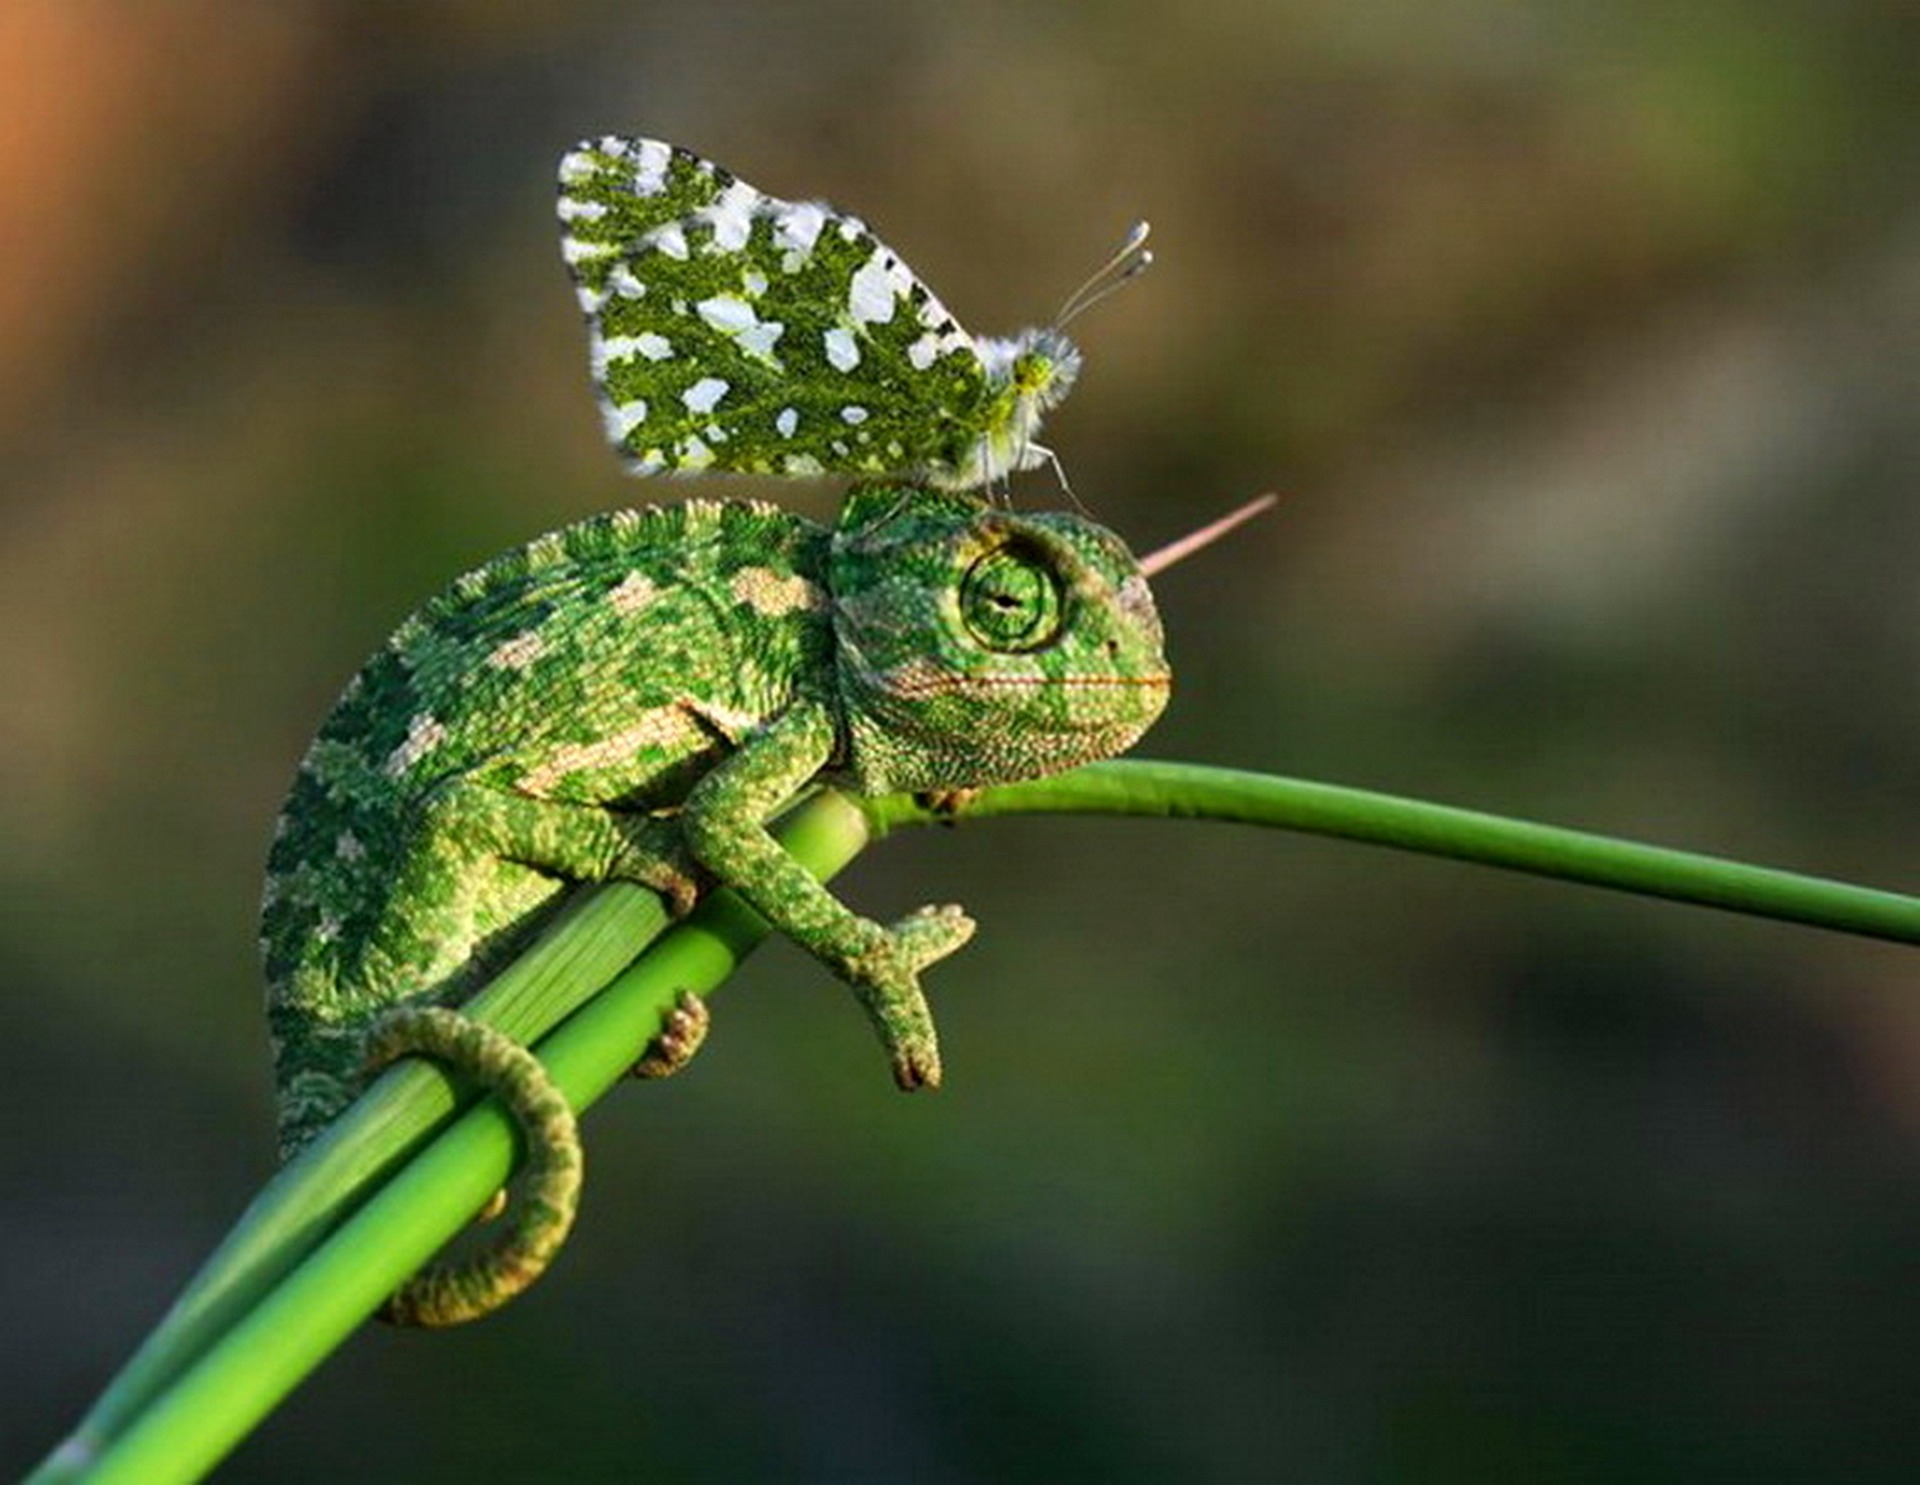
[631, 699]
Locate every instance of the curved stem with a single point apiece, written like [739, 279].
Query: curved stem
[333, 1235]
[1193, 791]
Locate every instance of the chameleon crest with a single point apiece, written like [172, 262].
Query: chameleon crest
[632, 698]
[729, 330]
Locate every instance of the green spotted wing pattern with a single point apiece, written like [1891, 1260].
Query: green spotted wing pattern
[733, 331]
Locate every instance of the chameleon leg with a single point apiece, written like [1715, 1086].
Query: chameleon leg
[680, 1036]
[583, 841]
[724, 823]
[447, 1294]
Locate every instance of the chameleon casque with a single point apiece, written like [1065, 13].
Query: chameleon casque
[631, 698]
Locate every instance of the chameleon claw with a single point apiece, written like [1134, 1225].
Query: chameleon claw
[927, 935]
[681, 1034]
[946, 805]
[917, 1070]
[887, 980]
[655, 855]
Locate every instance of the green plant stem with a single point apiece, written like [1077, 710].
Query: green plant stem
[308, 1197]
[1191, 791]
[299, 1273]
[186, 1426]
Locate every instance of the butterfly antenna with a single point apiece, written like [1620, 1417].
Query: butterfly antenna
[1131, 259]
[1186, 546]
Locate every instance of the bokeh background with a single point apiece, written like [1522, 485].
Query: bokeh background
[1585, 339]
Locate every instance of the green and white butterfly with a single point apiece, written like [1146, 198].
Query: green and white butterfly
[733, 331]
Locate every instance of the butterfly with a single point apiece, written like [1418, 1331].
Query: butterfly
[730, 330]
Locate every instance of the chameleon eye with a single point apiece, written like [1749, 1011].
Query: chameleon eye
[1010, 600]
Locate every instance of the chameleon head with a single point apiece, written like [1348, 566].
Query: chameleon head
[977, 646]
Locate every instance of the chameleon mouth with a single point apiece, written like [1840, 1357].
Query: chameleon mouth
[937, 685]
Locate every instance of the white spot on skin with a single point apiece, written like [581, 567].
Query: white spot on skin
[669, 727]
[787, 421]
[874, 290]
[622, 418]
[654, 346]
[704, 394]
[581, 249]
[635, 591]
[577, 167]
[760, 339]
[519, 652]
[424, 734]
[650, 170]
[727, 313]
[604, 350]
[802, 464]
[732, 216]
[853, 414]
[734, 316]
[573, 209]
[732, 722]
[620, 279]
[766, 592]
[327, 929]
[694, 453]
[670, 239]
[347, 846]
[842, 353]
[920, 355]
[798, 228]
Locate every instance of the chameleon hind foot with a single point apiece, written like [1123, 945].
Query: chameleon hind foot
[654, 853]
[886, 977]
[681, 1034]
[946, 804]
[450, 1293]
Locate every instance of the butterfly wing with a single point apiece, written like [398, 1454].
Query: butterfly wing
[734, 331]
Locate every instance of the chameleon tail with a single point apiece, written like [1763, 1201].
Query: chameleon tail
[450, 1293]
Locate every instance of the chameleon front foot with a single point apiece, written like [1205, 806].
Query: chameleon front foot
[680, 1036]
[886, 977]
[448, 1294]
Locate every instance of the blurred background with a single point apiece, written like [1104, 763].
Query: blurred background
[1585, 341]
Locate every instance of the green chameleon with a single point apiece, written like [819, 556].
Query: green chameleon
[631, 699]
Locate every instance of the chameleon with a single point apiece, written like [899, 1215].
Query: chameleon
[632, 698]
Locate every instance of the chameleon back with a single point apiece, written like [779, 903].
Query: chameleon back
[609, 664]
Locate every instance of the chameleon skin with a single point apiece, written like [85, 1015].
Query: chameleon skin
[632, 698]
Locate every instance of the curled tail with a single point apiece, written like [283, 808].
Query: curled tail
[450, 1293]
